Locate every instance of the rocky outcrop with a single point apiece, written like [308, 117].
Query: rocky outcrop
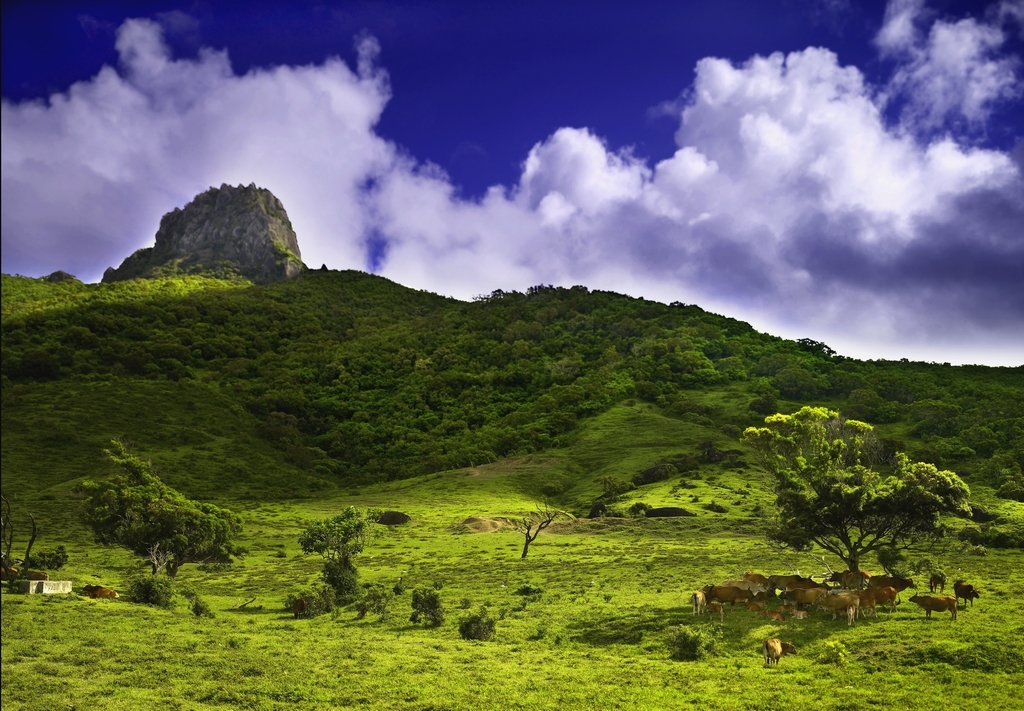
[60, 276]
[226, 231]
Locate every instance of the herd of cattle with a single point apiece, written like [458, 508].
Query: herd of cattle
[850, 592]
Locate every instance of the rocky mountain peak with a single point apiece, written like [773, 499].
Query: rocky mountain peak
[227, 230]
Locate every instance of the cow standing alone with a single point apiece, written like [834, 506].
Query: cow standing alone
[773, 650]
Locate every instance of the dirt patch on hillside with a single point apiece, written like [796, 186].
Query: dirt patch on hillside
[484, 524]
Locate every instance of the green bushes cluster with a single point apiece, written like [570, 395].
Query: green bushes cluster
[691, 643]
[477, 626]
[157, 590]
[427, 607]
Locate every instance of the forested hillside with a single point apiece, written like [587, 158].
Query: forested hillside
[355, 379]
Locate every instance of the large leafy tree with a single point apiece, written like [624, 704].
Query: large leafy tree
[339, 539]
[136, 510]
[828, 495]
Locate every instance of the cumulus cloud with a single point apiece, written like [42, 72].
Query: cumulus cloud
[790, 201]
[88, 173]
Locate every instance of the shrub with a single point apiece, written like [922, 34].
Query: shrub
[659, 472]
[717, 508]
[152, 590]
[612, 486]
[639, 509]
[52, 559]
[691, 644]
[196, 604]
[320, 599]
[478, 626]
[529, 590]
[343, 579]
[376, 599]
[833, 652]
[426, 606]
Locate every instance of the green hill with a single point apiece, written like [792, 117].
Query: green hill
[289, 401]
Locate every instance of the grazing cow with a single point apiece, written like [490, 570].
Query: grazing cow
[757, 578]
[965, 591]
[847, 602]
[935, 604]
[299, 607]
[802, 596]
[718, 607]
[773, 650]
[801, 615]
[724, 593]
[698, 601]
[776, 615]
[937, 581]
[891, 581]
[755, 606]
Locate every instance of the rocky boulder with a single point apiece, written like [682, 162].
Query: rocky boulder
[226, 231]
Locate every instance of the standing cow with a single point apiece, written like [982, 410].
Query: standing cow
[774, 649]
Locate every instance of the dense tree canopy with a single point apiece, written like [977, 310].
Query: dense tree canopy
[828, 495]
[137, 511]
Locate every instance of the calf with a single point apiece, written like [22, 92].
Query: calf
[774, 649]
[965, 591]
[936, 604]
[776, 615]
[847, 602]
[937, 581]
[755, 606]
[718, 607]
[801, 615]
[698, 601]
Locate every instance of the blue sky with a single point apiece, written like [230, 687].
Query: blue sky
[845, 171]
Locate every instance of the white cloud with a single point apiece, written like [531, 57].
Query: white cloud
[789, 201]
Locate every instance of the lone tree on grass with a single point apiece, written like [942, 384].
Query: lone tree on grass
[137, 511]
[7, 529]
[531, 526]
[339, 540]
[827, 494]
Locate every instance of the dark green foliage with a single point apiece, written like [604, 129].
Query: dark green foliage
[137, 511]
[994, 536]
[717, 508]
[612, 486]
[427, 607]
[155, 590]
[529, 590]
[693, 643]
[639, 509]
[48, 559]
[477, 626]
[375, 599]
[319, 599]
[659, 472]
[196, 604]
[343, 578]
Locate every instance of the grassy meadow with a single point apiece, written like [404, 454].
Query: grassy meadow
[591, 632]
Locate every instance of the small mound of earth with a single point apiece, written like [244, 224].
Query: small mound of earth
[393, 518]
[483, 524]
[668, 511]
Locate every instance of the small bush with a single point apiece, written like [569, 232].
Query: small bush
[478, 626]
[639, 509]
[465, 603]
[426, 606]
[155, 590]
[196, 604]
[691, 644]
[833, 652]
[717, 508]
[320, 599]
[376, 599]
[659, 472]
[343, 579]
[53, 559]
[529, 590]
[612, 486]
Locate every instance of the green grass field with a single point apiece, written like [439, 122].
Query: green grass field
[595, 637]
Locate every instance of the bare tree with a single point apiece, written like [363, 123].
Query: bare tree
[531, 526]
[7, 541]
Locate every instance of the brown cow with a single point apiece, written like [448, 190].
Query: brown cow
[965, 591]
[101, 592]
[299, 607]
[724, 593]
[773, 650]
[755, 606]
[802, 596]
[757, 578]
[788, 609]
[698, 601]
[754, 588]
[718, 607]
[776, 615]
[36, 575]
[891, 581]
[935, 604]
[3, 572]
[801, 615]
[937, 581]
[87, 589]
[848, 602]
[872, 596]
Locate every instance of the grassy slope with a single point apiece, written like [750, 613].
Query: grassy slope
[595, 638]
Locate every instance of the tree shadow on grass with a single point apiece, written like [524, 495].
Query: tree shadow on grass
[629, 627]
